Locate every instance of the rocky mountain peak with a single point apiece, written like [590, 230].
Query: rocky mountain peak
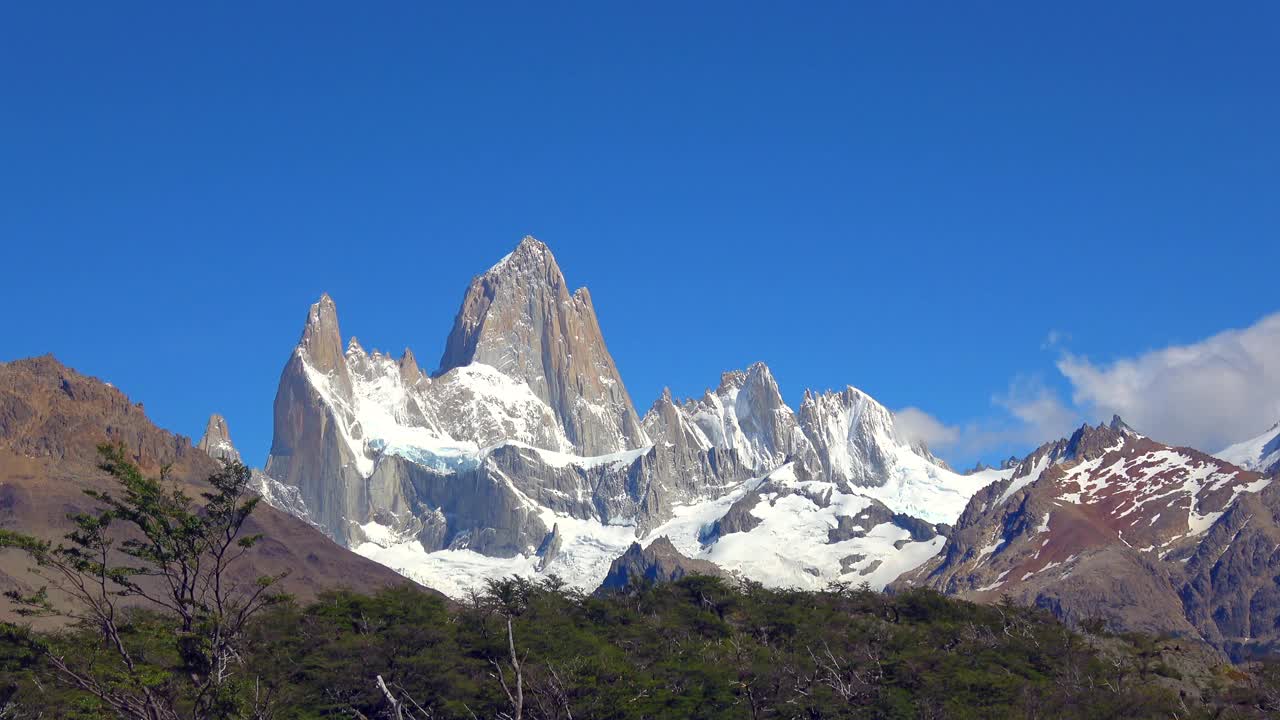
[857, 438]
[410, 373]
[216, 440]
[658, 563]
[757, 373]
[529, 253]
[520, 318]
[1090, 441]
[731, 380]
[322, 339]
[746, 414]
[1121, 426]
[1109, 523]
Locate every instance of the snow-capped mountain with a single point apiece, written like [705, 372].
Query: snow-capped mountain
[1111, 524]
[1261, 453]
[859, 446]
[745, 414]
[523, 454]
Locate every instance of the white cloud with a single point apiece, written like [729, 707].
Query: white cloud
[917, 425]
[1041, 414]
[1034, 415]
[1207, 394]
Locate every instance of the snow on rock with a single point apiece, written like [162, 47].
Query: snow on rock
[792, 545]
[528, 427]
[858, 444]
[1261, 453]
[746, 414]
[520, 318]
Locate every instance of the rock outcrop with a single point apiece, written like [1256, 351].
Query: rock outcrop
[520, 318]
[216, 441]
[313, 445]
[660, 562]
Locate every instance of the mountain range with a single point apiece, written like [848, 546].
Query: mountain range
[523, 453]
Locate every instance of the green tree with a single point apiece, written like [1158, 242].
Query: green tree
[151, 547]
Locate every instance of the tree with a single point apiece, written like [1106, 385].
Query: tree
[151, 547]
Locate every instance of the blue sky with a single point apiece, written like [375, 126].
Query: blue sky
[943, 204]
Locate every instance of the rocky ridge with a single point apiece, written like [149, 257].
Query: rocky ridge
[526, 439]
[1109, 524]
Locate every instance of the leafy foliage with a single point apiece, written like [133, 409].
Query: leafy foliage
[147, 584]
[162, 631]
[698, 648]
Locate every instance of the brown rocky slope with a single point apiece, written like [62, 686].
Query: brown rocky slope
[52, 419]
[1111, 525]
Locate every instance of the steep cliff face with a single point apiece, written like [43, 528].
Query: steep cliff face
[316, 443]
[1111, 524]
[520, 318]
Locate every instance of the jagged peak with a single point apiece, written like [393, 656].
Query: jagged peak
[664, 398]
[755, 373]
[355, 348]
[1090, 440]
[520, 317]
[410, 373]
[322, 337]
[530, 243]
[1121, 426]
[529, 253]
[216, 429]
[322, 314]
[848, 397]
[216, 441]
[731, 380]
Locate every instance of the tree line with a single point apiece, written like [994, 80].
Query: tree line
[157, 628]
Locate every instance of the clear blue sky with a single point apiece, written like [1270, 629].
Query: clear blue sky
[908, 197]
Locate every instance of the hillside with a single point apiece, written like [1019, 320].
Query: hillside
[699, 648]
[51, 420]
